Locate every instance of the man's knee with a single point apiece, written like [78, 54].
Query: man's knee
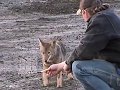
[82, 68]
[76, 68]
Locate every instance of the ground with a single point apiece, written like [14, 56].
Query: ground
[20, 60]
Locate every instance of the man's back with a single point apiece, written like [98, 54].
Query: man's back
[112, 50]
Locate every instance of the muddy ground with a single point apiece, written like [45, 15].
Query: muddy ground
[20, 60]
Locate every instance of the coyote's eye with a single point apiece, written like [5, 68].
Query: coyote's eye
[43, 53]
[49, 52]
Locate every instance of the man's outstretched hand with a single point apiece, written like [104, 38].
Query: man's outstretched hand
[56, 68]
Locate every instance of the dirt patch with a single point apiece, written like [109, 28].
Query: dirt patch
[51, 6]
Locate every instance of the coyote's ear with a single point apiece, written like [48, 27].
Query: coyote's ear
[41, 42]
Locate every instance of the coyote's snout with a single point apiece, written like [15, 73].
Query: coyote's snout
[52, 52]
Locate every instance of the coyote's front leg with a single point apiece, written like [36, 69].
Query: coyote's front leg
[59, 80]
[45, 79]
[70, 76]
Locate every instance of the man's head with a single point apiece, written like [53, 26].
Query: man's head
[88, 8]
[90, 4]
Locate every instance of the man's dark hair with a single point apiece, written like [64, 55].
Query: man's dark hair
[93, 6]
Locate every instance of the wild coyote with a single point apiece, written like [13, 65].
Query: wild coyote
[52, 52]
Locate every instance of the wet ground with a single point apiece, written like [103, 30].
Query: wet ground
[20, 60]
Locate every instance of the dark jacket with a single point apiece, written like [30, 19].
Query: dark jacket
[101, 40]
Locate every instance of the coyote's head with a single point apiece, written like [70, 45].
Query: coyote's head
[52, 52]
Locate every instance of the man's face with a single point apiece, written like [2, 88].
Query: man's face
[84, 13]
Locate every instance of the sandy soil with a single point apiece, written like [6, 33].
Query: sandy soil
[20, 60]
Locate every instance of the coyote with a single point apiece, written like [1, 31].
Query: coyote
[52, 52]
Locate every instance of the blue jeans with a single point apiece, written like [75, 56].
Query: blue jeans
[96, 74]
